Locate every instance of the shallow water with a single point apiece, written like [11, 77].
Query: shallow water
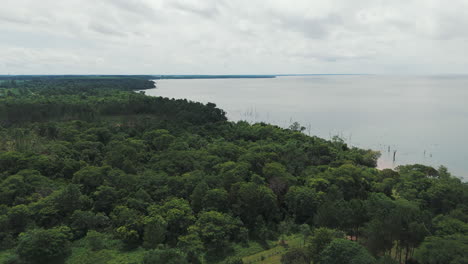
[423, 118]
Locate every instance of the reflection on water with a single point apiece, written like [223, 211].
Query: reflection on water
[423, 118]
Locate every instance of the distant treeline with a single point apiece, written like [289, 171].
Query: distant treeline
[144, 77]
[89, 99]
[44, 77]
[213, 76]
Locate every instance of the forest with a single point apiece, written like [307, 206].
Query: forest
[94, 171]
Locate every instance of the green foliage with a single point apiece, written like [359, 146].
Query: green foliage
[44, 245]
[451, 249]
[216, 230]
[302, 202]
[198, 195]
[216, 200]
[96, 240]
[105, 198]
[167, 256]
[154, 232]
[233, 260]
[320, 240]
[82, 221]
[344, 251]
[178, 215]
[252, 201]
[295, 256]
[128, 235]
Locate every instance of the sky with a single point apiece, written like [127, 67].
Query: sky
[233, 37]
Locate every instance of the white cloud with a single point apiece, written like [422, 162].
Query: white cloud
[233, 37]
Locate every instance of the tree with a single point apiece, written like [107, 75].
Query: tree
[198, 195]
[380, 230]
[216, 230]
[252, 200]
[278, 178]
[104, 198]
[351, 180]
[154, 231]
[178, 215]
[96, 240]
[448, 249]
[285, 228]
[90, 177]
[446, 225]
[232, 172]
[321, 238]
[129, 236]
[82, 221]
[295, 256]
[341, 251]
[305, 232]
[18, 218]
[129, 225]
[332, 213]
[192, 245]
[216, 200]
[159, 139]
[302, 202]
[44, 245]
[68, 200]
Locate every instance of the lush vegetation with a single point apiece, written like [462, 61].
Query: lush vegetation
[93, 172]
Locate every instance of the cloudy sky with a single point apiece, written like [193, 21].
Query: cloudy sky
[233, 36]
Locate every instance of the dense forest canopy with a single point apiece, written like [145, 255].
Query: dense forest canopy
[93, 171]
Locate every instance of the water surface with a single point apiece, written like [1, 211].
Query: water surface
[423, 118]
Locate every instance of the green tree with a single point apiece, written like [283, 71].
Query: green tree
[44, 245]
[252, 200]
[451, 249]
[198, 195]
[178, 215]
[154, 231]
[18, 218]
[129, 236]
[305, 231]
[159, 139]
[216, 200]
[68, 200]
[192, 245]
[104, 198]
[82, 221]
[96, 240]
[341, 251]
[320, 239]
[278, 178]
[90, 177]
[216, 230]
[302, 202]
[295, 256]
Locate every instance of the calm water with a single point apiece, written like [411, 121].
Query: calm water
[425, 119]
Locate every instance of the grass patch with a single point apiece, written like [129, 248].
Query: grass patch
[252, 247]
[83, 255]
[272, 255]
[108, 252]
[6, 255]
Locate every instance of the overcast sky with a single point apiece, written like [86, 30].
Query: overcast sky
[233, 37]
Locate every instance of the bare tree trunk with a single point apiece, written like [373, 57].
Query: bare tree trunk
[407, 253]
[399, 252]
